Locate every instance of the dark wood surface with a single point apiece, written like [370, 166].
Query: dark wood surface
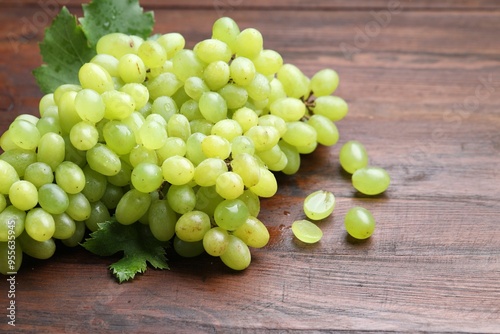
[424, 97]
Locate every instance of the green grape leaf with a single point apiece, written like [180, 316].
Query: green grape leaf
[64, 50]
[102, 17]
[136, 242]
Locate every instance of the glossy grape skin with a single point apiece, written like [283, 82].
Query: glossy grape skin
[133, 205]
[237, 255]
[253, 233]
[215, 241]
[359, 223]
[306, 231]
[371, 180]
[319, 204]
[231, 214]
[353, 156]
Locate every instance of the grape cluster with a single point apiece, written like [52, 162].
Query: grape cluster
[184, 141]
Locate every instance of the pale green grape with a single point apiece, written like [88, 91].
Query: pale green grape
[164, 106]
[178, 126]
[306, 231]
[242, 144]
[259, 89]
[229, 185]
[371, 180]
[7, 263]
[103, 160]
[249, 43]
[53, 198]
[225, 29]
[172, 43]
[65, 226]
[324, 82]
[359, 223]
[162, 220]
[108, 62]
[252, 202]
[188, 249]
[292, 79]
[293, 158]
[153, 135]
[119, 137]
[190, 110]
[195, 87]
[19, 159]
[192, 226]
[207, 200]
[193, 148]
[211, 50]
[68, 116]
[146, 177]
[142, 154]
[186, 64]
[138, 92]
[152, 53]
[122, 178]
[308, 148]
[319, 204]
[280, 164]
[48, 124]
[165, 84]
[23, 195]
[264, 137]
[246, 166]
[3, 202]
[72, 154]
[353, 156]
[214, 146]
[98, 213]
[268, 62]
[234, 95]
[327, 131]
[274, 121]
[206, 173]
[79, 207]
[39, 173]
[277, 90]
[45, 102]
[77, 237]
[288, 108]
[8, 176]
[231, 214]
[246, 118]
[177, 170]
[95, 184]
[119, 105]
[213, 106]
[51, 150]
[11, 219]
[24, 134]
[132, 206]
[215, 241]
[216, 75]
[83, 136]
[201, 126]
[89, 105]
[62, 89]
[267, 185]
[253, 233]
[271, 156]
[173, 146]
[181, 199]
[70, 177]
[333, 107]
[242, 71]
[95, 77]
[227, 129]
[39, 224]
[112, 195]
[300, 134]
[237, 255]
[41, 250]
[117, 45]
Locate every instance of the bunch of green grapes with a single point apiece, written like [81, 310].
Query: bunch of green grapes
[185, 141]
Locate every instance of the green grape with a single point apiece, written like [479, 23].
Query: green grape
[77, 237]
[65, 226]
[24, 134]
[246, 118]
[226, 30]
[353, 156]
[207, 200]
[268, 62]
[181, 199]
[359, 223]
[37, 249]
[62, 89]
[70, 177]
[108, 62]
[229, 185]
[259, 89]
[19, 159]
[292, 156]
[242, 71]
[39, 224]
[46, 102]
[103, 160]
[215, 241]
[6, 142]
[247, 167]
[178, 126]
[132, 206]
[71, 153]
[231, 214]
[332, 107]
[271, 156]
[39, 173]
[177, 170]
[51, 150]
[242, 144]
[252, 202]
[99, 213]
[162, 220]
[186, 64]
[3, 202]
[192, 226]
[172, 43]
[153, 135]
[371, 180]
[319, 205]
[202, 126]
[210, 50]
[53, 198]
[146, 177]
[119, 105]
[274, 121]
[11, 257]
[206, 173]
[249, 43]
[119, 137]
[8, 176]
[190, 110]
[289, 109]
[253, 233]
[195, 87]
[174, 146]
[234, 95]
[138, 92]
[79, 207]
[93, 76]
[142, 154]
[112, 195]
[264, 137]
[83, 136]
[164, 106]
[327, 131]
[300, 134]
[237, 255]
[188, 249]
[227, 129]
[308, 148]
[193, 148]
[116, 45]
[292, 79]
[306, 231]
[280, 164]
[11, 219]
[89, 105]
[324, 82]
[165, 84]
[152, 53]
[122, 178]
[216, 75]
[68, 116]
[95, 184]
[277, 90]
[23, 195]
[267, 185]
[214, 146]
[212, 106]
[48, 124]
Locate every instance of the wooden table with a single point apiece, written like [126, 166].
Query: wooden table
[422, 80]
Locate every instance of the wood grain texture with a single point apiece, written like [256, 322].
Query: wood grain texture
[424, 97]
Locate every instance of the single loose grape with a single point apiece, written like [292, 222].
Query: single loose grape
[371, 180]
[306, 231]
[359, 223]
[353, 156]
[319, 204]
